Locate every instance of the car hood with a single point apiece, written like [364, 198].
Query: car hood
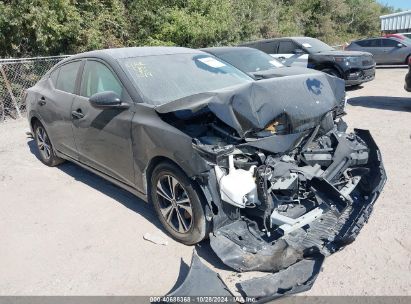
[283, 71]
[301, 100]
[344, 53]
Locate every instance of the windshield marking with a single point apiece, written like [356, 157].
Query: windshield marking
[140, 68]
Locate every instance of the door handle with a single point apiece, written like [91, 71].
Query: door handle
[77, 114]
[42, 101]
[281, 58]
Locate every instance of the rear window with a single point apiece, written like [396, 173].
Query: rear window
[66, 80]
[250, 60]
[269, 47]
[286, 47]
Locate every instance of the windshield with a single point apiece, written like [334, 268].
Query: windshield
[250, 60]
[164, 78]
[313, 45]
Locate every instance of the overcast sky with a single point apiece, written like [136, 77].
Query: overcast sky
[401, 4]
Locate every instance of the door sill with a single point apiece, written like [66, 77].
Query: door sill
[113, 180]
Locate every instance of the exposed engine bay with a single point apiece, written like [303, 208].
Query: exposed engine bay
[286, 183]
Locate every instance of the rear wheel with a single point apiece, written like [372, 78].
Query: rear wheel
[44, 146]
[178, 204]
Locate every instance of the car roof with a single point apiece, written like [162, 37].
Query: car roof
[127, 52]
[391, 37]
[277, 39]
[226, 49]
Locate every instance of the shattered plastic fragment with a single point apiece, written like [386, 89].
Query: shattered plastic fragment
[201, 281]
[156, 239]
[296, 278]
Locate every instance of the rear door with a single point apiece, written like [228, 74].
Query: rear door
[288, 56]
[54, 106]
[103, 136]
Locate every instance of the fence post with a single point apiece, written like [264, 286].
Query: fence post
[13, 99]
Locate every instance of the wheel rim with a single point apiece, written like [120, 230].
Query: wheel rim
[43, 143]
[175, 206]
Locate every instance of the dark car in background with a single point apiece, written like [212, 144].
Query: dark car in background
[389, 50]
[408, 77]
[255, 62]
[354, 67]
[265, 169]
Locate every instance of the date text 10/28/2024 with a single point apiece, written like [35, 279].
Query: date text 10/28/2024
[200, 299]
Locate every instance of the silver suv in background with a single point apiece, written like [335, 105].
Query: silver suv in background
[385, 50]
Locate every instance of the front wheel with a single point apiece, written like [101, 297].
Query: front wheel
[178, 204]
[44, 146]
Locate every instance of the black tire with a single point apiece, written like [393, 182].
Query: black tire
[44, 146]
[176, 215]
[332, 72]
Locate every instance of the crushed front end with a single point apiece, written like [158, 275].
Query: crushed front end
[300, 204]
[288, 186]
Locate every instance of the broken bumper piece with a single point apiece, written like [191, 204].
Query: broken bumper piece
[294, 279]
[202, 282]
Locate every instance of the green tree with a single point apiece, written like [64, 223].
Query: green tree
[52, 27]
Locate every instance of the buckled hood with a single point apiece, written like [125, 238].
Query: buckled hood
[302, 100]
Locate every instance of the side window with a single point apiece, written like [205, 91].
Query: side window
[98, 78]
[66, 80]
[363, 43]
[286, 47]
[269, 47]
[375, 43]
[389, 43]
[53, 76]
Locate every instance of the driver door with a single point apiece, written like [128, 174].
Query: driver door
[103, 136]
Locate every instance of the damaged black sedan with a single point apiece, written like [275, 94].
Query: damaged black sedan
[265, 169]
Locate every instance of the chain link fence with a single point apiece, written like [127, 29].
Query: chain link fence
[16, 75]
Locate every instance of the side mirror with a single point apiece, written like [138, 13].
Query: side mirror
[106, 100]
[299, 52]
[400, 45]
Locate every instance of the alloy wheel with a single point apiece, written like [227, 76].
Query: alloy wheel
[43, 143]
[175, 205]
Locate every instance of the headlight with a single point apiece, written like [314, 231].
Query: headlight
[349, 60]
